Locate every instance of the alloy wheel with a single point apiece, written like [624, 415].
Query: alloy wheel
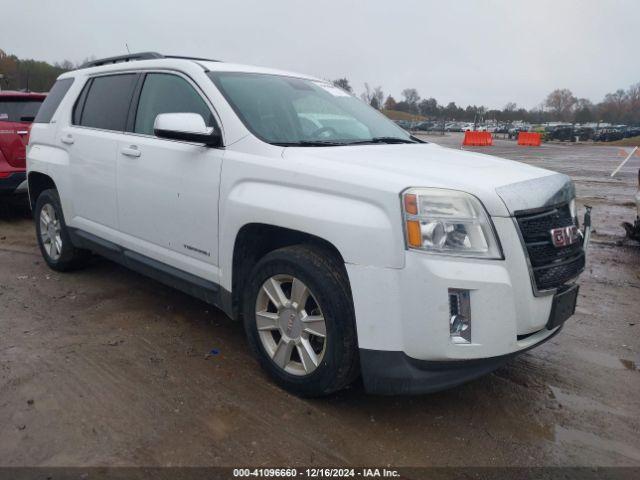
[50, 232]
[291, 325]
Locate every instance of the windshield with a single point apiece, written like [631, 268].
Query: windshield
[291, 111]
[17, 110]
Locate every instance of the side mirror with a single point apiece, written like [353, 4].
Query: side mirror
[188, 127]
[27, 119]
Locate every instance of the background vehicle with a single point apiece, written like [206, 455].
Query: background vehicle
[608, 135]
[423, 126]
[584, 133]
[405, 124]
[562, 133]
[345, 245]
[17, 111]
[633, 230]
[513, 132]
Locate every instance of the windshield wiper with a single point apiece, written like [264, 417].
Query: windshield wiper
[383, 140]
[311, 143]
[328, 143]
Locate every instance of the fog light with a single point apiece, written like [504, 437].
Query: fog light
[460, 316]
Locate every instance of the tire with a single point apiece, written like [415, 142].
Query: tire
[335, 364]
[60, 254]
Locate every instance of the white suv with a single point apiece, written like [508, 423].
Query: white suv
[347, 246]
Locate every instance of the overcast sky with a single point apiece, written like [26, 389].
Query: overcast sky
[473, 52]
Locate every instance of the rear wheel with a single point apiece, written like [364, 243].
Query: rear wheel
[53, 235]
[299, 320]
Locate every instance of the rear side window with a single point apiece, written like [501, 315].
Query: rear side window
[51, 103]
[77, 108]
[107, 102]
[18, 109]
[166, 93]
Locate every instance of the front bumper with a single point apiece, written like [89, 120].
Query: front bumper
[403, 327]
[395, 373]
[14, 183]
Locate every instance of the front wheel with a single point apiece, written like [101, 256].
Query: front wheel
[299, 320]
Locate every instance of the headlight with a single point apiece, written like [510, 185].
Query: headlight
[448, 222]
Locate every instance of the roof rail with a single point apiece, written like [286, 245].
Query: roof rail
[139, 56]
[181, 57]
[122, 58]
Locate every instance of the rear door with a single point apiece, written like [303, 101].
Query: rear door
[167, 189]
[16, 115]
[98, 123]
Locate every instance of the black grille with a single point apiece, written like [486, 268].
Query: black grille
[552, 266]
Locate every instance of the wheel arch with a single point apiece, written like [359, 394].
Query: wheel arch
[38, 182]
[254, 241]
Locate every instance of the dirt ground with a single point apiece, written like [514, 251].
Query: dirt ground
[105, 367]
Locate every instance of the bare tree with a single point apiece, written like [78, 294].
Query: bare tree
[67, 65]
[377, 97]
[410, 102]
[561, 103]
[411, 96]
[584, 111]
[614, 106]
[510, 111]
[633, 100]
[86, 60]
[373, 97]
[429, 107]
[367, 94]
[390, 103]
[343, 83]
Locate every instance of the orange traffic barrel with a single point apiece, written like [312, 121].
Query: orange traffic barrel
[477, 139]
[529, 139]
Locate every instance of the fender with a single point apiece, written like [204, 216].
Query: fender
[362, 231]
[53, 162]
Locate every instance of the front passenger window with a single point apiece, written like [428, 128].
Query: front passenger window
[166, 93]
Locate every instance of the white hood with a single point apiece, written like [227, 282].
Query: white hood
[397, 167]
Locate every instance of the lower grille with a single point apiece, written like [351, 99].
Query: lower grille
[553, 276]
[552, 266]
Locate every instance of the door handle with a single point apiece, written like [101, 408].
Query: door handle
[68, 140]
[131, 151]
[22, 132]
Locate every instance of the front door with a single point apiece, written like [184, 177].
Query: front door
[168, 190]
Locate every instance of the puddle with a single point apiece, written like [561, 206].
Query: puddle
[578, 437]
[605, 360]
[629, 364]
[577, 402]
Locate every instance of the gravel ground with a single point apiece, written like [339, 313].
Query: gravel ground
[104, 367]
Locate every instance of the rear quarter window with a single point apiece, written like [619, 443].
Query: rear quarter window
[107, 102]
[51, 103]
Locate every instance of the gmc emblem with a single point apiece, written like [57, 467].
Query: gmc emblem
[565, 236]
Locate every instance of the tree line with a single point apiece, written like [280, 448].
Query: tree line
[32, 75]
[621, 106]
[561, 105]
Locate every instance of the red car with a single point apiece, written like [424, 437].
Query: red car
[17, 111]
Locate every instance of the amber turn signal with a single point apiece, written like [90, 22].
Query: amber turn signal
[414, 236]
[411, 204]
